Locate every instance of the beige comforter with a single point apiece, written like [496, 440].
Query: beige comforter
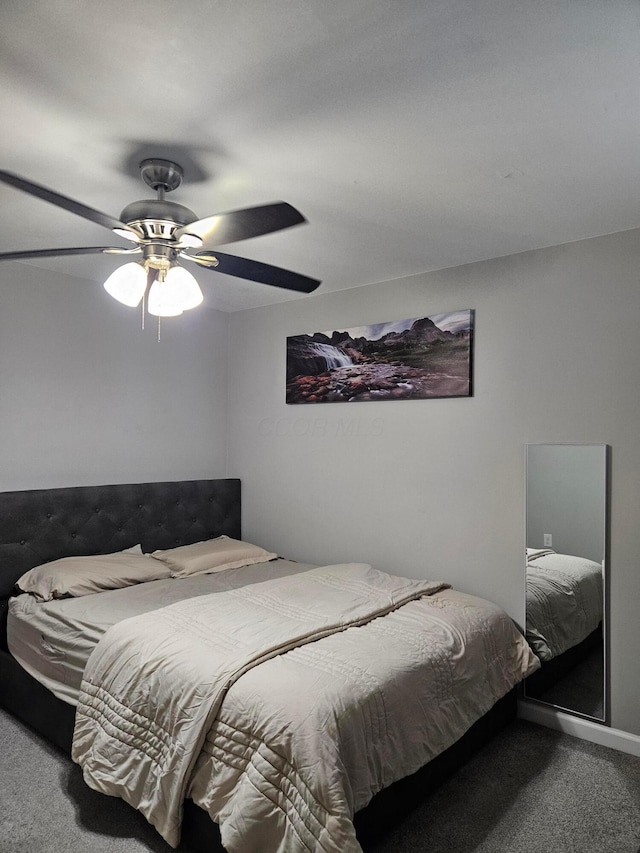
[283, 707]
[564, 601]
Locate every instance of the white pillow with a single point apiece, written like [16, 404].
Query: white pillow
[213, 555]
[72, 577]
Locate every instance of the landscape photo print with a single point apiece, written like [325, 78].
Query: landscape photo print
[415, 359]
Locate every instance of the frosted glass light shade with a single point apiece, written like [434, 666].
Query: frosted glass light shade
[127, 284]
[177, 293]
[159, 301]
[181, 281]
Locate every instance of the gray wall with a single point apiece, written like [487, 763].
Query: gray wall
[87, 397]
[436, 488]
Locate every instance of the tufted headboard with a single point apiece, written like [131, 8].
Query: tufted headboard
[44, 524]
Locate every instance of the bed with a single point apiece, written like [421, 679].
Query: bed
[253, 735]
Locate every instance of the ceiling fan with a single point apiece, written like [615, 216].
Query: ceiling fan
[166, 233]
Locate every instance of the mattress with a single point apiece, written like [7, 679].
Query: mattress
[52, 640]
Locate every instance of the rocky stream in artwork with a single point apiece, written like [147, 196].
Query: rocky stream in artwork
[418, 363]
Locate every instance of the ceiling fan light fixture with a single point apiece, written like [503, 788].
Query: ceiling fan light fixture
[173, 292]
[127, 284]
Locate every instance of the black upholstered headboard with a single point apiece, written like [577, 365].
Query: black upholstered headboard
[44, 524]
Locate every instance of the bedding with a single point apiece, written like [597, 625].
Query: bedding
[564, 601]
[283, 707]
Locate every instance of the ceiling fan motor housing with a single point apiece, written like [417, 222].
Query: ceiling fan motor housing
[157, 219]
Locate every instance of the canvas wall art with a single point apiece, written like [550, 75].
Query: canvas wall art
[415, 359]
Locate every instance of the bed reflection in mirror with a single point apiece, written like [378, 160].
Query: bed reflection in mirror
[566, 529]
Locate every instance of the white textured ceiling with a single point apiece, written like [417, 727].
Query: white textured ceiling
[413, 134]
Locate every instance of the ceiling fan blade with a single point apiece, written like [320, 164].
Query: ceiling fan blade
[254, 271]
[69, 204]
[54, 253]
[242, 224]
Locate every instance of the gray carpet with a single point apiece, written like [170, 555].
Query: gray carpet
[531, 790]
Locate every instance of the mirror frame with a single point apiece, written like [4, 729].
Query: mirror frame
[605, 719]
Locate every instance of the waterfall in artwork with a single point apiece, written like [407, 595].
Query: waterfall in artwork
[333, 356]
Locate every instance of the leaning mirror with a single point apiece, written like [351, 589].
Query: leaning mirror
[566, 529]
